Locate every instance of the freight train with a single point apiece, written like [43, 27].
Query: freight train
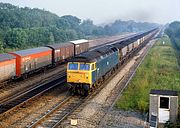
[88, 70]
[22, 63]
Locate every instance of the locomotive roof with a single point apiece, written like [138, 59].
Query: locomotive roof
[5, 57]
[79, 41]
[91, 56]
[59, 45]
[31, 51]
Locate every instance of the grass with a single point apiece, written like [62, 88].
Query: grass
[159, 70]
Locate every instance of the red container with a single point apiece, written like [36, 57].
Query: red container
[61, 51]
[7, 67]
[32, 59]
[80, 46]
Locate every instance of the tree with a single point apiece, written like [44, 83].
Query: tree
[87, 27]
[173, 31]
[1, 47]
[22, 27]
[51, 38]
[72, 21]
[71, 34]
[16, 38]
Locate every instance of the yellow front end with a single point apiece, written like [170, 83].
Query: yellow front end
[79, 73]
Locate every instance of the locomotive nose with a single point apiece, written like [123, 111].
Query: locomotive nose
[78, 77]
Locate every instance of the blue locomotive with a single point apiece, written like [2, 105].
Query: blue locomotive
[90, 69]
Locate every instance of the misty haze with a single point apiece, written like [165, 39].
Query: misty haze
[89, 64]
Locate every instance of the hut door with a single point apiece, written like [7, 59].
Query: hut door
[164, 109]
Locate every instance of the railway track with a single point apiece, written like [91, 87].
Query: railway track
[20, 99]
[54, 116]
[58, 112]
[13, 95]
[122, 84]
[15, 99]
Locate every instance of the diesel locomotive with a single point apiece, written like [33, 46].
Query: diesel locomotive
[88, 70]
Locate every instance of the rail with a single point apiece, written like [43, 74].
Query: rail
[29, 94]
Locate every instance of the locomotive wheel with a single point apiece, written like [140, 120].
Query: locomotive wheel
[86, 93]
[72, 91]
[25, 76]
[86, 89]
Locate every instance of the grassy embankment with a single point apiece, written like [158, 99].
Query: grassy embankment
[158, 71]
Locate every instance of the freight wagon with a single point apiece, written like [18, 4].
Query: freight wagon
[80, 46]
[30, 60]
[136, 43]
[122, 50]
[21, 63]
[61, 52]
[7, 67]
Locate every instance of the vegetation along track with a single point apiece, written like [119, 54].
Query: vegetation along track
[15, 102]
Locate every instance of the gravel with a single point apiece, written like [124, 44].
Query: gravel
[29, 112]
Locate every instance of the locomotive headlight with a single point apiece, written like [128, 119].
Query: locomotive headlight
[87, 76]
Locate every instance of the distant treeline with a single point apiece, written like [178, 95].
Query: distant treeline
[173, 31]
[21, 28]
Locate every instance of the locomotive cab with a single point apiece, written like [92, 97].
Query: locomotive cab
[80, 72]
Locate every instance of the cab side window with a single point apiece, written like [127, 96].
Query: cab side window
[93, 67]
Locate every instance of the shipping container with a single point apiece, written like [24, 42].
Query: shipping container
[61, 51]
[80, 46]
[7, 67]
[32, 59]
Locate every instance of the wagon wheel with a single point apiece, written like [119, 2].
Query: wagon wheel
[25, 76]
[86, 92]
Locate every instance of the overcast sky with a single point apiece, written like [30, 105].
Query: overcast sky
[105, 11]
